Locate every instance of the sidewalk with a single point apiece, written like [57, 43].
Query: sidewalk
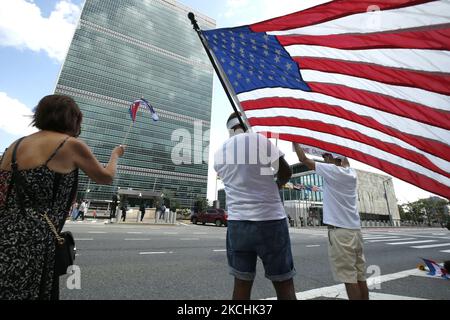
[146, 222]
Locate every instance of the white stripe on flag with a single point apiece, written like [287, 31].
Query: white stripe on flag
[412, 59]
[417, 95]
[364, 148]
[431, 13]
[400, 123]
[332, 120]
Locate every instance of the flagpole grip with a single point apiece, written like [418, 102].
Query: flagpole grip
[195, 26]
[128, 132]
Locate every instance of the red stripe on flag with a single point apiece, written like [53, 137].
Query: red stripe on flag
[431, 81]
[403, 108]
[433, 147]
[328, 11]
[352, 135]
[402, 173]
[436, 39]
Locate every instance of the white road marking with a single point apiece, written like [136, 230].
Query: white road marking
[445, 251]
[412, 242]
[366, 236]
[379, 238]
[156, 252]
[97, 232]
[220, 250]
[386, 240]
[200, 233]
[189, 239]
[134, 232]
[385, 296]
[137, 239]
[84, 239]
[170, 232]
[432, 246]
[338, 291]
[313, 246]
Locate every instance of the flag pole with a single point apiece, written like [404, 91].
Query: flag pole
[128, 132]
[219, 73]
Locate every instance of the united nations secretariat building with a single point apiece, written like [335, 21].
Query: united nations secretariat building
[377, 203]
[125, 50]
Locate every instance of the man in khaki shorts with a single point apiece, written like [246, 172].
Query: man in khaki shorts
[340, 213]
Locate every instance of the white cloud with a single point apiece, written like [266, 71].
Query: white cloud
[16, 116]
[22, 26]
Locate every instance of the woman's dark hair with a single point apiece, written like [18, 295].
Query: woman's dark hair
[58, 113]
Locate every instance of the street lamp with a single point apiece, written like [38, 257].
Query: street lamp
[387, 201]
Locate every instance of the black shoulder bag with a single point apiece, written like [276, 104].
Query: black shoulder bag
[65, 249]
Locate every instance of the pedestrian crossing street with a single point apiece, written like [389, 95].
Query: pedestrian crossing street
[439, 241]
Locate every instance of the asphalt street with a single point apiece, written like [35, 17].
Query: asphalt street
[186, 262]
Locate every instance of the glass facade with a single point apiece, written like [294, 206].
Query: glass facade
[122, 51]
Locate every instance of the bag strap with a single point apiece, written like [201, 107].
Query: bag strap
[19, 182]
[14, 169]
[56, 150]
[14, 155]
[3, 156]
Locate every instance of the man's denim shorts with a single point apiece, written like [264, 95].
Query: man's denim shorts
[269, 240]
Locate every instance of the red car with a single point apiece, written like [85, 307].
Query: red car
[217, 216]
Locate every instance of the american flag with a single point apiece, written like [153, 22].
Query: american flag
[366, 79]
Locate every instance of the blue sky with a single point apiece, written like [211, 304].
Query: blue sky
[35, 34]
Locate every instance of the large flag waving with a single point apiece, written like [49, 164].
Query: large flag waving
[365, 79]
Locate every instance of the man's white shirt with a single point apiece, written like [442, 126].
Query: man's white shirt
[244, 163]
[339, 196]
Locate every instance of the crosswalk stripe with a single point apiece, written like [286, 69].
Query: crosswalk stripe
[433, 246]
[154, 252]
[412, 242]
[386, 240]
[393, 237]
[445, 251]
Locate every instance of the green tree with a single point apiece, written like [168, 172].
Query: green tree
[430, 209]
[201, 203]
[174, 205]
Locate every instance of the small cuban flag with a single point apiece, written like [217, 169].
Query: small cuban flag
[134, 107]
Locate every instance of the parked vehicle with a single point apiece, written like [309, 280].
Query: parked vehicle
[217, 216]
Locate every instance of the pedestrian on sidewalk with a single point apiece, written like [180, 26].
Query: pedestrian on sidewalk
[142, 209]
[257, 222]
[81, 210]
[162, 211]
[340, 213]
[74, 211]
[124, 211]
[38, 185]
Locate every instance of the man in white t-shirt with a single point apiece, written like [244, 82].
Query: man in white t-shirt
[257, 225]
[340, 213]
